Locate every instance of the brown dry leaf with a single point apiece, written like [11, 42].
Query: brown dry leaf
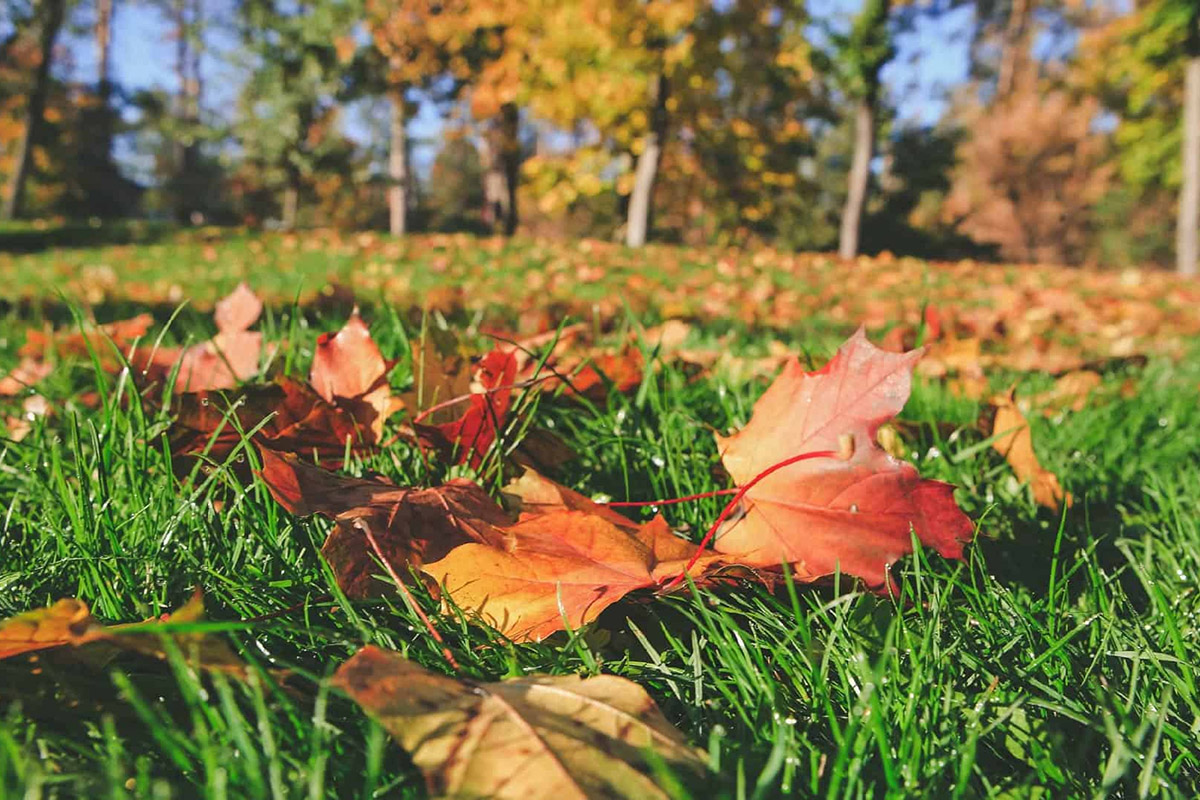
[962, 357]
[1015, 443]
[411, 526]
[70, 623]
[471, 435]
[296, 420]
[238, 311]
[224, 361]
[534, 494]
[853, 512]
[20, 425]
[529, 738]
[441, 372]
[562, 567]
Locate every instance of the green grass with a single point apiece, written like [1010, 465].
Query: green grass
[1059, 660]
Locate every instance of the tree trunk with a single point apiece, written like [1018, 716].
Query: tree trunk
[291, 204]
[1014, 47]
[637, 223]
[50, 18]
[860, 173]
[398, 167]
[510, 157]
[1187, 244]
[186, 147]
[104, 15]
[495, 198]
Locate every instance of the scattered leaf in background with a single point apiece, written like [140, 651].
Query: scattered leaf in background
[529, 738]
[23, 377]
[1071, 391]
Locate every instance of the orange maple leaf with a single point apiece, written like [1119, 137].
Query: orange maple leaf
[852, 514]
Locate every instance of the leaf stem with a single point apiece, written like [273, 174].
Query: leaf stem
[732, 504]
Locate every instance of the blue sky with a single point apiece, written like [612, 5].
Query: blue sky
[929, 60]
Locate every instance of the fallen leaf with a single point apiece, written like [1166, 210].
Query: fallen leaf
[93, 338]
[823, 515]
[1069, 391]
[530, 738]
[1015, 443]
[69, 623]
[32, 407]
[286, 414]
[560, 568]
[230, 357]
[24, 376]
[349, 371]
[411, 526]
[473, 433]
[238, 310]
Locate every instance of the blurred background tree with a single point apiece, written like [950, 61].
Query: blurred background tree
[1062, 130]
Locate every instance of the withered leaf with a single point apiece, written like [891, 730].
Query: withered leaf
[560, 568]
[411, 526]
[1015, 442]
[349, 371]
[531, 738]
[69, 624]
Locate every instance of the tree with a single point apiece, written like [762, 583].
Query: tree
[412, 55]
[47, 21]
[865, 51]
[1031, 173]
[288, 112]
[1145, 66]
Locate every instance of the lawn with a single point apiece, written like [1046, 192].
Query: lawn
[1058, 659]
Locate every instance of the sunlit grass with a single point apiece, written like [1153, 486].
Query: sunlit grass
[1058, 660]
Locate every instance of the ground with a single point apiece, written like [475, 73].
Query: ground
[1057, 660]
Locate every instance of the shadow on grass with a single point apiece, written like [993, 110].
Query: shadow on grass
[28, 238]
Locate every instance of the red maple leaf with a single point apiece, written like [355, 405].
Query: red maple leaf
[852, 514]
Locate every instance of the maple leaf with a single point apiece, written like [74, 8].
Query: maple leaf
[565, 566]
[93, 338]
[473, 433]
[566, 557]
[1015, 442]
[530, 738]
[410, 525]
[222, 362]
[828, 514]
[1069, 391]
[286, 413]
[349, 371]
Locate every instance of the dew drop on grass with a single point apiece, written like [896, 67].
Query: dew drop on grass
[203, 401]
[658, 461]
